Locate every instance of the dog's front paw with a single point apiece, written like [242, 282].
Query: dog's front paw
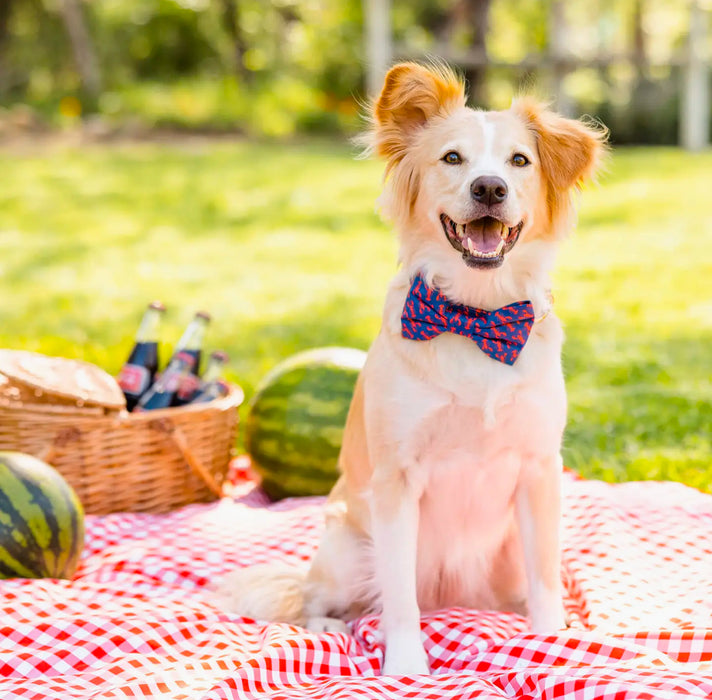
[549, 619]
[405, 657]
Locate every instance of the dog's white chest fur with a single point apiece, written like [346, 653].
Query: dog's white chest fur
[466, 508]
[464, 426]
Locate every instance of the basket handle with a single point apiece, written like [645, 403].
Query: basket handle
[165, 425]
[61, 439]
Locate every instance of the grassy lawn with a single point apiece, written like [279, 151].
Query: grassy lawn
[282, 245]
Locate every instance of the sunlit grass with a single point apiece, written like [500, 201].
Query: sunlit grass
[282, 245]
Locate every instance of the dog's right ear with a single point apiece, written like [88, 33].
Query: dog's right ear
[411, 95]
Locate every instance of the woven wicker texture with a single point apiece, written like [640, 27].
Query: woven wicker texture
[117, 461]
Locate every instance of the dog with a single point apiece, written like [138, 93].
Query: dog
[449, 493]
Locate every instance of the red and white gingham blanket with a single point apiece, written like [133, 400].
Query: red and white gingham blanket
[138, 620]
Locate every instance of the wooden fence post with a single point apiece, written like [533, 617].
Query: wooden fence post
[695, 100]
[377, 23]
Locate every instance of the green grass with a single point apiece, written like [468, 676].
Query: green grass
[282, 245]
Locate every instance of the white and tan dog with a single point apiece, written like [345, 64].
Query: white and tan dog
[449, 494]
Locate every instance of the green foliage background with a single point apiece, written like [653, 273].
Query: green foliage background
[171, 63]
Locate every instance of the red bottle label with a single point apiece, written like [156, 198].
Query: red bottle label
[134, 379]
[189, 384]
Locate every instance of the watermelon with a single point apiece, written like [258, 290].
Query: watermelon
[296, 421]
[41, 520]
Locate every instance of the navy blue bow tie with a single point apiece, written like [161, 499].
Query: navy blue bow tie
[500, 334]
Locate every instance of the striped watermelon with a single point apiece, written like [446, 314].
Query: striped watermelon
[296, 421]
[41, 520]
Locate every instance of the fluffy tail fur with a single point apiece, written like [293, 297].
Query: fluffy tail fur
[270, 592]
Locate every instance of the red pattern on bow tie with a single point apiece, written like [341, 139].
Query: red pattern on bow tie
[501, 334]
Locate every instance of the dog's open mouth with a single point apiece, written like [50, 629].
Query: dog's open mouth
[483, 242]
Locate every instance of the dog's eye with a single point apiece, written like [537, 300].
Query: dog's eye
[452, 158]
[520, 160]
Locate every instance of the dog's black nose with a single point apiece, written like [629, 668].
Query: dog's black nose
[489, 190]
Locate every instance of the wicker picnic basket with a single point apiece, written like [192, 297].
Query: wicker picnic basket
[72, 415]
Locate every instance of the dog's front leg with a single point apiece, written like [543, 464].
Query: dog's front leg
[395, 515]
[538, 507]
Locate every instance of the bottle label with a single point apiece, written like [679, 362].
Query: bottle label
[134, 379]
[189, 385]
[172, 382]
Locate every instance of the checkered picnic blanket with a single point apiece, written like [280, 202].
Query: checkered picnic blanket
[138, 620]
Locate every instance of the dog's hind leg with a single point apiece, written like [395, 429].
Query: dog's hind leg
[340, 584]
[508, 576]
[336, 587]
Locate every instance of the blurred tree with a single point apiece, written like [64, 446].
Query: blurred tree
[35, 44]
[82, 46]
[5, 11]
[163, 39]
[475, 16]
[639, 38]
[302, 62]
[231, 22]
[327, 45]
[643, 88]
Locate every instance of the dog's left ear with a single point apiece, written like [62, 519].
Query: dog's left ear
[570, 151]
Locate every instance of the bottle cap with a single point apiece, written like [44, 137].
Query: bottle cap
[157, 305]
[203, 314]
[220, 356]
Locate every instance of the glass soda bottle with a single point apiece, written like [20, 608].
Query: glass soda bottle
[214, 390]
[191, 344]
[163, 392]
[213, 385]
[140, 369]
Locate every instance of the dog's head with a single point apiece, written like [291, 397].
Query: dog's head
[477, 183]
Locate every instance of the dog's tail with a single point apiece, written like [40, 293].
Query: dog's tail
[271, 592]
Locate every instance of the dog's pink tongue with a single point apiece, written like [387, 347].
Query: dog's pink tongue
[484, 234]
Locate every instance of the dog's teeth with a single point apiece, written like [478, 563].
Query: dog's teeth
[500, 247]
[461, 230]
[470, 246]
